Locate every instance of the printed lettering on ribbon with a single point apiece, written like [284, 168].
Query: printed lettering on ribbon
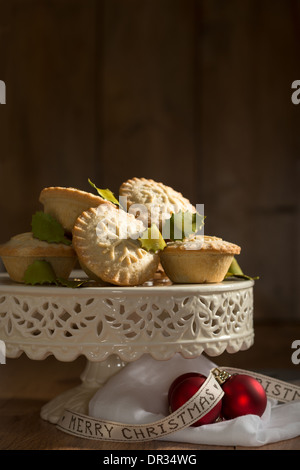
[195, 408]
[198, 406]
[277, 389]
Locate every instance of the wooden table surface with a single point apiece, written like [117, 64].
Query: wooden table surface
[26, 385]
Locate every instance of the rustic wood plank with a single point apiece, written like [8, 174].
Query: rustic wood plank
[146, 92]
[48, 124]
[271, 350]
[196, 94]
[249, 138]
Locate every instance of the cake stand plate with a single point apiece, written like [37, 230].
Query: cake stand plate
[112, 325]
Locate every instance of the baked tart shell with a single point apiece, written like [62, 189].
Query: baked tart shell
[66, 204]
[22, 250]
[208, 264]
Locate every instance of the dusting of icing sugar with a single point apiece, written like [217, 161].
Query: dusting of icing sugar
[205, 242]
[192, 243]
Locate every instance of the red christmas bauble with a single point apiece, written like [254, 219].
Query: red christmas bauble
[180, 379]
[243, 395]
[184, 390]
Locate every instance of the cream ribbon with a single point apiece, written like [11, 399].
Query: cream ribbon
[208, 395]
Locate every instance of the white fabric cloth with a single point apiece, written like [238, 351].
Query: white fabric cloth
[138, 395]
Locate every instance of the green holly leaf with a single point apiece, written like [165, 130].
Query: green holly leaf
[105, 193]
[181, 225]
[236, 271]
[152, 240]
[47, 228]
[40, 272]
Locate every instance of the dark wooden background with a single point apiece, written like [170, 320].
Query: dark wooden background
[193, 93]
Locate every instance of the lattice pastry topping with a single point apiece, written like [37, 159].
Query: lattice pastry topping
[106, 242]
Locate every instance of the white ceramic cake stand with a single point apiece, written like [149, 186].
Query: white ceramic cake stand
[112, 325]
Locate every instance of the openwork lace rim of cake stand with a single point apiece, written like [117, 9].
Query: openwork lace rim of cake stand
[128, 321]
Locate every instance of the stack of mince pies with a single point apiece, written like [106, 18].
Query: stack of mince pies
[107, 239]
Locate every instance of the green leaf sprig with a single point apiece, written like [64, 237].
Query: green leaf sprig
[236, 271]
[48, 229]
[152, 240]
[41, 272]
[105, 193]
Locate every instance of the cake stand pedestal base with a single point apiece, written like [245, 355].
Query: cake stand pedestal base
[93, 377]
[113, 325]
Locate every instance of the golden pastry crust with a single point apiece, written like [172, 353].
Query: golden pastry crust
[159, 200]
[72, 193]
[66, 204]
[204, 243]
[199, 259]
[25, 244]
[23, 249]
[105, 240]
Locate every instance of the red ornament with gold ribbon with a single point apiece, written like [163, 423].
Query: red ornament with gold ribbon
[243, 395]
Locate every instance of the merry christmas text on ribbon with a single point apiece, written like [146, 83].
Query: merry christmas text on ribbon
[208, 395]
[198, 406]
